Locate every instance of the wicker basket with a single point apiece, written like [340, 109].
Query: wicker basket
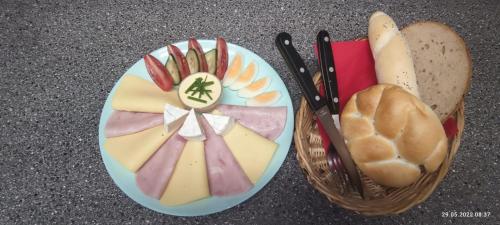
[378, 200]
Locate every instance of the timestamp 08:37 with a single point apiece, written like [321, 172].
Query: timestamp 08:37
[464, 214]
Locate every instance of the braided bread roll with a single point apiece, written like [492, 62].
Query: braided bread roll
[393, 61]
[392, 135]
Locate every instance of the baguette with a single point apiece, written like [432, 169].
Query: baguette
[393, 61]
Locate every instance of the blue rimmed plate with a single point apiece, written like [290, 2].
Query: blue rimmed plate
[125, 179]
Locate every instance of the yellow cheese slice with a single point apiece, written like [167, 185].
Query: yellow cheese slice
[133, 150]
[252, 151]
[138, 95]
[189, 181]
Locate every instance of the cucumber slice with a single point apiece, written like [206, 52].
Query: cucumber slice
[171, 66]
[192, 60]
[211, 57]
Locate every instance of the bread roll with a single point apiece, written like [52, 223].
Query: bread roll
[393, 62]
[442, 64]
[390, 134]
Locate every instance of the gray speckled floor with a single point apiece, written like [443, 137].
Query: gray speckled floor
[58, 61]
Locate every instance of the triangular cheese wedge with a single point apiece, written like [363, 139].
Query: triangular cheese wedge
[189, 182]
[132, 150]
[191, 129]
[252, 151]
[138, 95]
[172, 116]
[219, 123]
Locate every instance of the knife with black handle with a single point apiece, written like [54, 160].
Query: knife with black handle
[317, 104]
[299, 70]
[329, 77]
[328, 72]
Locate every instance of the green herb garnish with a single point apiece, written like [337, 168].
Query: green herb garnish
[197, 99]
[199, 87]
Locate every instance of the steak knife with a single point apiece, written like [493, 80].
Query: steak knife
[317, 104]
[329, 77]
[328, 74]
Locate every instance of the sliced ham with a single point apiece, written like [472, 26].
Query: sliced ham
[266, 121]
[152, 178]
[225, 176]
[122, 122]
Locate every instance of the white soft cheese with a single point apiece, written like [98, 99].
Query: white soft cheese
[172, 116]
[219, 123]
[191, 129]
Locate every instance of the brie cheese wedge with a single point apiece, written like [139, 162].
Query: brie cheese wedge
[219, 123]
[191, 129]
[172, 117]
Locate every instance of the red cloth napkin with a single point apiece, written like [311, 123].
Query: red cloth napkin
[355, 72]
[450, 127]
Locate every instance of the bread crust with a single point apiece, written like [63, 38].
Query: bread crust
[390, 133]
[393, 60]
[467, 51]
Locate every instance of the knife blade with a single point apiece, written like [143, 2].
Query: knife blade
[337, 141]
[329, 77]
[328, 73]
[317, 104]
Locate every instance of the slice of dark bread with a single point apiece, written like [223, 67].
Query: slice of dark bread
[442, 64]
